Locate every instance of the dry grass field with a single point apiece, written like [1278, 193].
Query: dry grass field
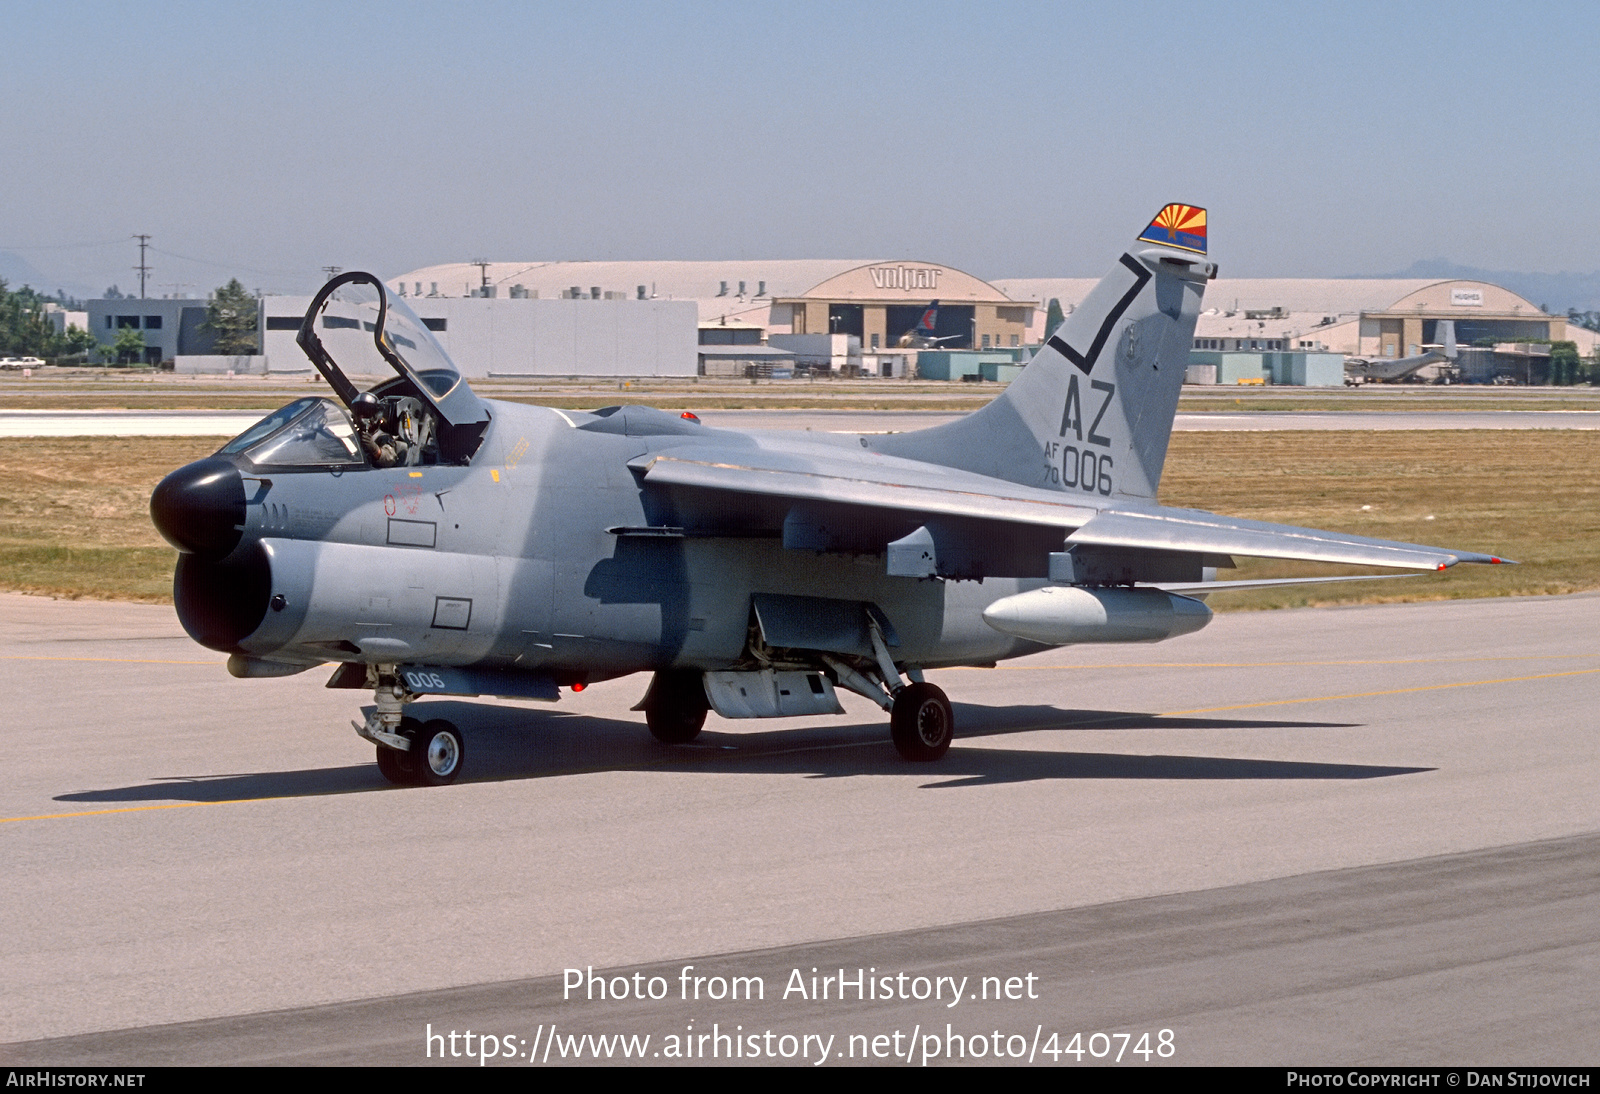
[74, 518]
[1529, 495]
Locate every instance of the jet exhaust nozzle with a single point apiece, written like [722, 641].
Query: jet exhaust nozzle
[200, 508]
[1058, 615]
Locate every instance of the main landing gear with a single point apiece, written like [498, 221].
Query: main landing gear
[410, 752]
[921, 722]
[675, 707]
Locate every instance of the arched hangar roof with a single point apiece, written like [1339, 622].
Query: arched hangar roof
[1452, 297]
[910, 281]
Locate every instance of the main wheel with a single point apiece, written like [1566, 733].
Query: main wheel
[396, 766]
[676, 711]
[437, 753]
[922, 723]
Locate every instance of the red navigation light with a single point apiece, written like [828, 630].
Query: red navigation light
[690, 415]
[579, 686]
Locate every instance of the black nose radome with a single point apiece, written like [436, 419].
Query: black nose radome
[199, 509]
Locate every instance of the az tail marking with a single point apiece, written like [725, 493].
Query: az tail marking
[1072, 411]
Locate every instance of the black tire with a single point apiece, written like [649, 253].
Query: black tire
[676, 710]
[396, 766]
[922, 723]
[437, 753]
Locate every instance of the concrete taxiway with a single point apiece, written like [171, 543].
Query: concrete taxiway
[1329, 835]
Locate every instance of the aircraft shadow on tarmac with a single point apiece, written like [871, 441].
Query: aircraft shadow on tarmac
[505, 743]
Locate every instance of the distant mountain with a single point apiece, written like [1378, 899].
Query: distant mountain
[17, 271]
[1554, 291]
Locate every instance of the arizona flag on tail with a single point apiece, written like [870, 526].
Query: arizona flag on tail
[1182, 226]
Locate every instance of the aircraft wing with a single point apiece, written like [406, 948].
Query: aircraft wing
[1158, 528]
[879, 482]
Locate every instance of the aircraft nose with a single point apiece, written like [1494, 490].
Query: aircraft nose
[199, 509]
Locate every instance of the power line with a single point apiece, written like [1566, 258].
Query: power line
[229, 265]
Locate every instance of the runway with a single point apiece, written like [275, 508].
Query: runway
[1236, 836]
[202, 423]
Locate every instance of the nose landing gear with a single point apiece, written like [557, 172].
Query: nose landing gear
[409, 752]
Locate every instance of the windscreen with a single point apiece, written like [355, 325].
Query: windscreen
[306, 433]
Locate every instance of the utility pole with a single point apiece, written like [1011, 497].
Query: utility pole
[483, 271]
[331, 272]
[144, 241]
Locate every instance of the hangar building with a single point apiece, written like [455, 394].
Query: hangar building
[762, 317]
[876, 301]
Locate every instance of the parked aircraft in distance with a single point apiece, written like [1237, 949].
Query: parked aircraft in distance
[1368, 370]
[921, 335]
[430, 542]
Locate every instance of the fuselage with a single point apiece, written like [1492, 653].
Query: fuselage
[544, 554]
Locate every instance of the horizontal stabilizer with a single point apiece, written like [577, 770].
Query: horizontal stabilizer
[1162, 529]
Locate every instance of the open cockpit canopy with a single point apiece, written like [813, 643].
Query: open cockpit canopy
[356, 327]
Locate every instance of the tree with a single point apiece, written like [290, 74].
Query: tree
[1563, 363]
[77, 342]
[127, 349]
[24, 330]
[233, 316]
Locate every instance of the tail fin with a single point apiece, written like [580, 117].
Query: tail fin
[1447, 335]
[1092, 412]
[930, 319]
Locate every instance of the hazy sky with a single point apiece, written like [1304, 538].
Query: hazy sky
[1008, 139]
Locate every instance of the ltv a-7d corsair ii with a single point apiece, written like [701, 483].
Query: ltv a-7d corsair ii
[430, 542]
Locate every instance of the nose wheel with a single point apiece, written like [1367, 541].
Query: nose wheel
[434, 758]
[437, 753]
[397, 766]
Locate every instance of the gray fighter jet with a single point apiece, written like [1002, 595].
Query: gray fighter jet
[429, 542]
